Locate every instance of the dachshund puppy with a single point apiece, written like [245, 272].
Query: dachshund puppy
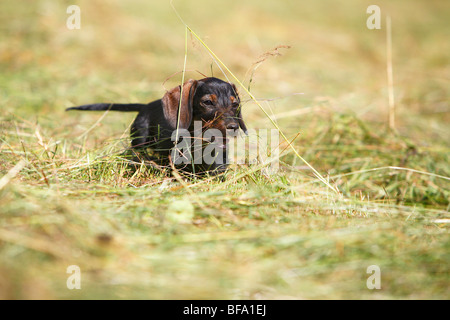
[209, 104]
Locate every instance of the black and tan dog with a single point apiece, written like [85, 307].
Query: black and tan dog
[210, 101]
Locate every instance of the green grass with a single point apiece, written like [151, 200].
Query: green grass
[251, 236]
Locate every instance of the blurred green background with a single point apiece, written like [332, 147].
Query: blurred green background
[254, 236]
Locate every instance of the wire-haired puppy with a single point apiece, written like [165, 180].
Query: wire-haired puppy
[199, 113]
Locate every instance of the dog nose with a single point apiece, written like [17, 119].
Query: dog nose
[232, 126]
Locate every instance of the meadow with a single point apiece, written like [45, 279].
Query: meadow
[67, 197]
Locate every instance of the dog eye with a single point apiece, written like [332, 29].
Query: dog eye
[235, 105]
[208, 103]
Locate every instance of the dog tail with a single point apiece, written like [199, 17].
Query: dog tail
[124, 107]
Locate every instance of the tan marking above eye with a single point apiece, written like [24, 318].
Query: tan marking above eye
[211, 97]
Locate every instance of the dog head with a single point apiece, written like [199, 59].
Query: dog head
[214, 102]
[217, 105]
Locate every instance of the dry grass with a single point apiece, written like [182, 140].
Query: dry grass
[68, 198]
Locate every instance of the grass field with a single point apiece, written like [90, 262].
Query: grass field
[67, 198]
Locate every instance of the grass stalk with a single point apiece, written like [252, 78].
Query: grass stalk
[390, 77]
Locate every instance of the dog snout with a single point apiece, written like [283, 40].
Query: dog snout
[232, 126]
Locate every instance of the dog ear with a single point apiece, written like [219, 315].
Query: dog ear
[171, 103]
[241, 122]
[239, 115]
